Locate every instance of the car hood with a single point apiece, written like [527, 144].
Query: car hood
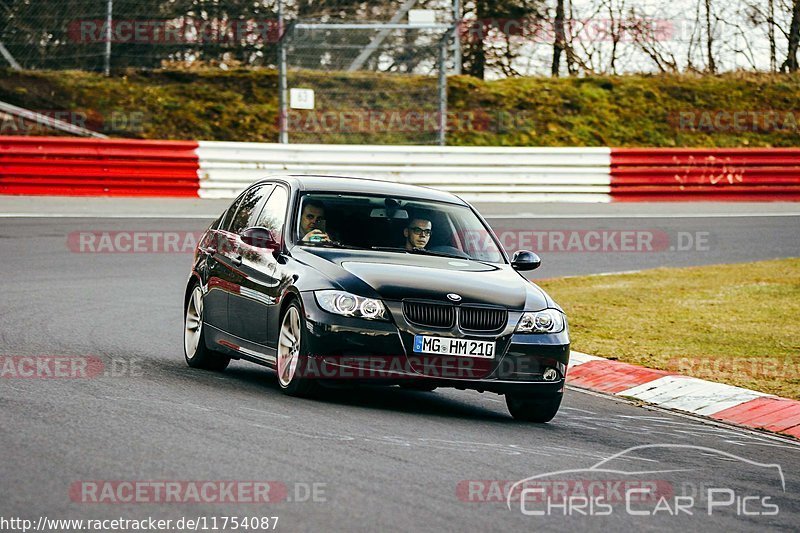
[397, 276]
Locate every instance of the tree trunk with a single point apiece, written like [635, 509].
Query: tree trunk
[794, 39]
[571, 60]
[773, 61]
[712, 66]
[476, 63]
[558, 42]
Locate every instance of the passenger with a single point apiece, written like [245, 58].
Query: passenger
[417, 232]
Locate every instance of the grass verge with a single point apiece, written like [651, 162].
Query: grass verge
[737, 324]
[242, 105]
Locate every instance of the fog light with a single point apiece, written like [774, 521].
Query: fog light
[551, 374]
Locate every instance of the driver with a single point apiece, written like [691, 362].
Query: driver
[417, 233]
[312, 222]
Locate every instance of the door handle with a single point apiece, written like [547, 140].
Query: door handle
[210, 251]
[237, 260]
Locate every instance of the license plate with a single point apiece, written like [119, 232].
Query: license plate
[449, 346]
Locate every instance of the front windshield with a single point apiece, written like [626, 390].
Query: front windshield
[394, 225]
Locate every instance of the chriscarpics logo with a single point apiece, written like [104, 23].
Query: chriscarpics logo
[663, 481]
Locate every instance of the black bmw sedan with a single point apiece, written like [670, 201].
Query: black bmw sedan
[342, 280]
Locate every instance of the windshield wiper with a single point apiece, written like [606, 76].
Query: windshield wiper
[323, 244]
[331, 244]
[421, 251]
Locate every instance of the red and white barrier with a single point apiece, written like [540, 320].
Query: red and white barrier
[97, 167]
[700, 174]
[488, 174]
[209, 169]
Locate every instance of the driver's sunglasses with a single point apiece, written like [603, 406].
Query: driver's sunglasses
[419, 232]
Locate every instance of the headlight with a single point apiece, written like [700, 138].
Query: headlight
[346, 304]
[547, 321]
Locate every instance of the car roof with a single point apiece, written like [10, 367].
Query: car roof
[342, 184]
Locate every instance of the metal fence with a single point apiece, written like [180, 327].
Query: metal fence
[377, 73]
[98, 35]
[499, 38]
[378, 83]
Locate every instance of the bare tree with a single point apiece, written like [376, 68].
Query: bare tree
[581, 45]
[711, 65]
[617, 29]
[773, 61]
[649, 38]
[756, 15]
[559, 40]
[570, 52]
[474, 49]
[790, 64]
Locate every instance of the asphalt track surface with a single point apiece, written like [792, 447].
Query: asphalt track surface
[381, 459]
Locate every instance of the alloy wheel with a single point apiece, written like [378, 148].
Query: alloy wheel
[289, 346]
[194, 323]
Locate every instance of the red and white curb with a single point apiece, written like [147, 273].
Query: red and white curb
[718, 401]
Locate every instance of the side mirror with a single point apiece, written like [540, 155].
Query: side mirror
[259, 237]
[525, 260]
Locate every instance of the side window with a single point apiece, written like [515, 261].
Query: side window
[476, 242]
[227, 217]
[252, 220]
[273, 216]
[247, 205]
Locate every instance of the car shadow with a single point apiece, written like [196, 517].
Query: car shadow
[381, 398]
[246, 378]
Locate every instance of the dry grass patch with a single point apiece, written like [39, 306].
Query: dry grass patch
[737, 324]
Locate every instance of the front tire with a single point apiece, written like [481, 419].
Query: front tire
[293, 354]
[538, 409]
[195, 350]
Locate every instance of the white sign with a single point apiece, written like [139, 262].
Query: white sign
[422, 16]
[301, 98]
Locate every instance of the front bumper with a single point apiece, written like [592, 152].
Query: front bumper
[379, 352]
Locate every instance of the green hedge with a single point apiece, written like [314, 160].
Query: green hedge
[241, 105]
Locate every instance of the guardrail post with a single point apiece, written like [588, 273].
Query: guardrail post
[109, 21]
[283, 135]
[443, 43]
[457, 38]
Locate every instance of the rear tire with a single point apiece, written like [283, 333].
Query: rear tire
[195, 350]
[538, 409]
[293, 354]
